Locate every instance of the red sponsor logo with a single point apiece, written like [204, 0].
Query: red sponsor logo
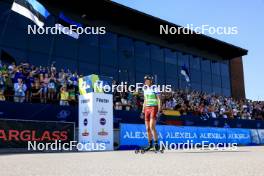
[32, 135]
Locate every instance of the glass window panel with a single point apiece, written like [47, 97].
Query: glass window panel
[215, 67]
[38, 59]
[65, 46]
[170, 57]
[206, 65]
[41, 43]
[225, 82]
[15, 38]
[183, 60]
[108, 57]
[226, 92]
[216, 80]
[157, 67]
[108, 40]
[92, 40]
[89, 54]
[195, 62]
[126, 44]
[17, 54]
[143, 64]
[156, 53]
[87, 68]
[108, 71]
[63, 63]
[196, 86]
[207, 88]
[195, 76]
[206, 78]
[171, 70]
[141, 49]
[173, 82]
[224, 69]
[217, 90]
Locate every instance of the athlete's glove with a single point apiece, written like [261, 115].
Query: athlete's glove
[142, 115]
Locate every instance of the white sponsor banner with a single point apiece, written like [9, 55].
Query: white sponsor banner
[96, 119]
[261, 136]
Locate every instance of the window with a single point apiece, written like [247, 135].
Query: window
[215, 68]
[183, 60]
[87, 68]
[65, 63]
[65, 46]
[109, 72]
[157, 67]
[39, 59]
[196, 87]
[108, 57]
[206, 65]
[142, 49]
[170, 57]
[143, 64]
[173, 81]
[216, 80]
[206, 78]
[195, 76]
[226, 92]
[207, 88]
[225, 82]
[41, 43]
[217, 90]
[195, 62]
[89, 54]
[109, 40]
[156, 53]
[171, 70]
[91, 40]
[225, 69]
[15, 38]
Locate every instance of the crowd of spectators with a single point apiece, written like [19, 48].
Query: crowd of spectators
[187, 102]
[29, 83]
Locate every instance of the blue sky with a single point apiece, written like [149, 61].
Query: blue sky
[248, 16]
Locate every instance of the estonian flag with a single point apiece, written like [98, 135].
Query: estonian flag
[31, 9]
[68, 26]
[185, 73]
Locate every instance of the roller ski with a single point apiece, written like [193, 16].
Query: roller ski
[155, 149]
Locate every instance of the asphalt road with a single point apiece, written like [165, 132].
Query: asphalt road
[246, 161]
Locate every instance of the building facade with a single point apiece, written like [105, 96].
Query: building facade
[127, 51]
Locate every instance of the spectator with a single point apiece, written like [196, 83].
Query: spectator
[2, 86]
[64, 96]
[20, 89]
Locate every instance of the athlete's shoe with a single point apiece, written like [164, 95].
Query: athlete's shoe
[148, 148]
[156, 147]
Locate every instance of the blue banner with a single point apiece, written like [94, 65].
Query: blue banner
[261, 136]
[239, 136]
[135, 134]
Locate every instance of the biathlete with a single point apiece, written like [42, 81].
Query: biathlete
[150, 112]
